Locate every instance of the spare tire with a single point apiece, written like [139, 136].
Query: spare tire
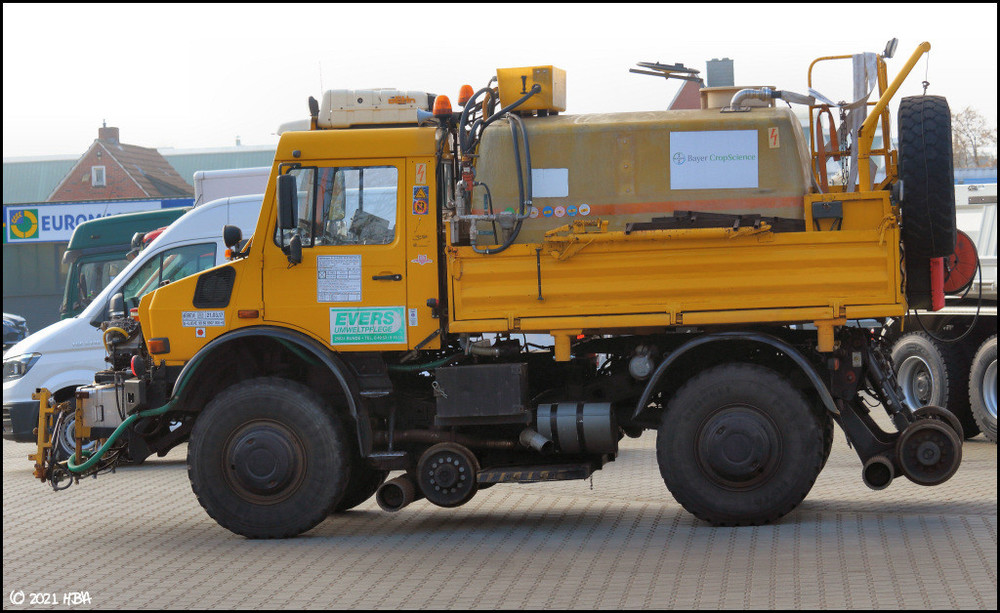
[926, 170]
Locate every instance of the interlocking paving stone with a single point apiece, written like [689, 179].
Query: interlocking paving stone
[139, 539]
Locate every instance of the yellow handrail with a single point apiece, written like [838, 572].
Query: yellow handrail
[867, 132]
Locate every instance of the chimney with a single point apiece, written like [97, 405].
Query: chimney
[720, 72]
[109, 135]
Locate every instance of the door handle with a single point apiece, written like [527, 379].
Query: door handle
[395, 277]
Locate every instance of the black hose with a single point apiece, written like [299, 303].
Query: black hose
[515, 125]
[469, 106]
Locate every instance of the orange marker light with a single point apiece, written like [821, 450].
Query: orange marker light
[464, 93]
[442, 106]
[158, 345]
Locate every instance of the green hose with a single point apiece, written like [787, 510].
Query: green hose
[114, 437]
[419, 367]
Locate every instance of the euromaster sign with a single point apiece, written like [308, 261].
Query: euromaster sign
[54, 223]
[724, 159]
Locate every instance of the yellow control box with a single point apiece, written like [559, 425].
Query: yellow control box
[516, 82]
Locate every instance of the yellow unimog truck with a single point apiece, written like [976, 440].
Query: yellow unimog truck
[501, 293]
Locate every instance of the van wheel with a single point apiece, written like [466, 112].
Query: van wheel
[983, 388]
[925, 168]
[933, 373]
[268, 459]
[739, 445]
[65, 446]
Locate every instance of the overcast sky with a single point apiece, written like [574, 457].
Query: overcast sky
[201, 75]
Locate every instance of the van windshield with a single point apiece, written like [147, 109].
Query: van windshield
[168, 266]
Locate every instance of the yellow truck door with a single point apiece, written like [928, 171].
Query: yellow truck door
[350, 288]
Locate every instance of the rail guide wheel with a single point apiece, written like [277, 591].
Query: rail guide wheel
[446, 474]
[929, 452]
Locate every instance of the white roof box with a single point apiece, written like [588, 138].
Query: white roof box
[343, 108]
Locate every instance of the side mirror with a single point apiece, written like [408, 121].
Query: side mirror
[231, 235]
[116, 306]
[287, 202]
[295, 250]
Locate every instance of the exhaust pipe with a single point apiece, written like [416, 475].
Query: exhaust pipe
[534, 440]
[878, 472]
[395, 494]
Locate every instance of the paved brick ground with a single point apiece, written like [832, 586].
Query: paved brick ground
[139, 539]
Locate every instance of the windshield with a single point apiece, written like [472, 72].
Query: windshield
[165, 267]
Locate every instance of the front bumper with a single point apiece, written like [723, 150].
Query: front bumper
[20, 420]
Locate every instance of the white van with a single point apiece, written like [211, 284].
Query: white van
[69, 352]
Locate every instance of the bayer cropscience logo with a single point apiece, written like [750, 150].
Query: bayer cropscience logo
[678, 158]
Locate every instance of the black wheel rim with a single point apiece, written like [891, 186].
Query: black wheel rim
[738, 447]
[929, 452]
[447, 476]
[264, 462]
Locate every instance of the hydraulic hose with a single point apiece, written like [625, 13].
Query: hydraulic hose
[72, 466]
[516, 125]
[421, 367]
[93, 459]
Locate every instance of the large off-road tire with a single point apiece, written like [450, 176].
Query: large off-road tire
[739, 445]
[926, 170]
[983, 388]
[362, 485]
[930, 372]
[268, 459]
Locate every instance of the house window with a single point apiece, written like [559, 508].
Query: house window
[97, 176]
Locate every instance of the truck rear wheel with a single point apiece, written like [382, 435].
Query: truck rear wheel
[928, 224]
[933, 373]
[268, 459]
[739, 445]
[983, 388]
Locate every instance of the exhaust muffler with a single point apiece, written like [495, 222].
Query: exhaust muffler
[396, 493]
[878, 472]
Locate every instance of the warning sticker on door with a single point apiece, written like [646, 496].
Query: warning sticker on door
[203, 319]
[368, 326]
[338, 278]
[721, 159]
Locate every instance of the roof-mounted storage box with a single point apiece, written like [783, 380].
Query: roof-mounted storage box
[516, 82]
[343, 108]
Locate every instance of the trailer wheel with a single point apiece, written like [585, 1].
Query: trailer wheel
[983, 388]
[268, 459]
[925, 168]
[934, 373]
[739, 445]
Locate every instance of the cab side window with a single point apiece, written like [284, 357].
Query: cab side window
[345, 206]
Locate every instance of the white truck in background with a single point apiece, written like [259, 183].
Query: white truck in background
[66, 354]
[948, 357]
[214, 184]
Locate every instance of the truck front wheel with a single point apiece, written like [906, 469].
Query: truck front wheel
[268, 459]
[739, 445]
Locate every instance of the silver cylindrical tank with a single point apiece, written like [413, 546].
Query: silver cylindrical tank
[579, 427]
